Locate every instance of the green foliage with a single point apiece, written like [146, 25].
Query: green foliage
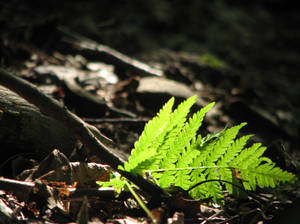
[116, 181]
[172, 151]
[213, 61]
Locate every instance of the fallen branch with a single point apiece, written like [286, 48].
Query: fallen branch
[110, 55]
[96, 150]
[115, 120]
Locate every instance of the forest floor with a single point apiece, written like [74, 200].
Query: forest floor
[72, 53]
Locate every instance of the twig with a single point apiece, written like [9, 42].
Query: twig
[20, 188]
[105, 193]
[115, 120]
[96, 150]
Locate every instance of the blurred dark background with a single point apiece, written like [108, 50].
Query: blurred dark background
[258, 41]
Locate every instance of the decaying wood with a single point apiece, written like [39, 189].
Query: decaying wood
[96, 150]
[111, 56]
[24, 129]
[54, 109]
[119, 59]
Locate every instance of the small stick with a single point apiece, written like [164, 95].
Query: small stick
[115, 120]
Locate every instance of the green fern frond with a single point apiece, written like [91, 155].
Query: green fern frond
[234, 150]
[170, 149]
[166, 179]
[265, 175]
[199, 190]
[153, 134]
[158, 135]
[117, 183]
[220, 153]
[180, 154]
[179, 116]
[247, 156]
[223, 143]
[184, 137]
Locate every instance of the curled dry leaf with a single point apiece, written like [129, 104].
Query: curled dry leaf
[84, 173]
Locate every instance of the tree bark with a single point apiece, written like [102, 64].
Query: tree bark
[24, 129]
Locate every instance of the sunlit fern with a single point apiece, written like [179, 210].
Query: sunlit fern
[171, 151]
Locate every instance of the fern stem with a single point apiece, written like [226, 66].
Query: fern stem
[213, 180]
[140, 202]
[189, 168]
